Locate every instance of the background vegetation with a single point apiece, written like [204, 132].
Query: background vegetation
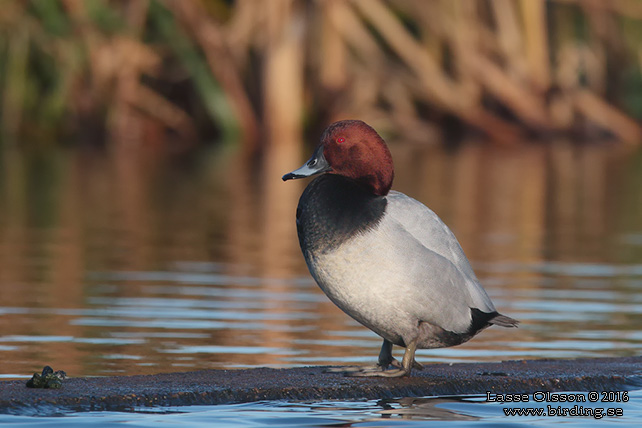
[178, 73]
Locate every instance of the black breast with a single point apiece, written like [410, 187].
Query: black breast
[333, 209]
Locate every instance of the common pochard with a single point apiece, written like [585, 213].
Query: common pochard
[384, 258]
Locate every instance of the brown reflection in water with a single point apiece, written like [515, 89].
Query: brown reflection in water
[279, 199]
[241, 213]
[69, 215]
[279, 240]
[513, 210]
[132, 191]
[467, 169]
[583, 215]
[13, 234]
[67, 255]
[38, 260]
[261, 236]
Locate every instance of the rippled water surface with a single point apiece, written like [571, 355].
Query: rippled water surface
[452, 411]
[147, 264]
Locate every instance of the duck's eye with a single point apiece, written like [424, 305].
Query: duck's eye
[312, 162]
[341, 140]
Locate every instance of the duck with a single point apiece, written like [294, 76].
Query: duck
[384, 258]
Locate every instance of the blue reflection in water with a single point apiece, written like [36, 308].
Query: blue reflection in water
[458, 411]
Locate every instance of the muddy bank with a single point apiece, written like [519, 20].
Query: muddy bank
[311, 383]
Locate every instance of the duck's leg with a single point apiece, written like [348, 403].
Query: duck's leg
[406, 364]
[385, 356]
[386, 359]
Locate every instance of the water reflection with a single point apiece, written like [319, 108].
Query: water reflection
[146, 263]
[457, 411]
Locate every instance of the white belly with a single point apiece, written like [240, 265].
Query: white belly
[373, 297]
[391, 283]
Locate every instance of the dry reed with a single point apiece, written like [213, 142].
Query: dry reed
[146, 71]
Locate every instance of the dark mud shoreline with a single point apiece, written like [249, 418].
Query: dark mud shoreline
[311, 383]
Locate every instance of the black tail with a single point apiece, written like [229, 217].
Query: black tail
[503, 321]
[481, 320]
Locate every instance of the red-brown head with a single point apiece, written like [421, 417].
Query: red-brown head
[352, 149]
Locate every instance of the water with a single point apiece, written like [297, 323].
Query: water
[452, 411]
[146, 264]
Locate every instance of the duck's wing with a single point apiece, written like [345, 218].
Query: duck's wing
[431, 232]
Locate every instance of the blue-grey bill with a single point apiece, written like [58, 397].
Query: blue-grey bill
[317, 164]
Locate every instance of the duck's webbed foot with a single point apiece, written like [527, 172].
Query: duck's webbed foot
[368, 371]
[386, 360]
[379, 373]
[349, 370]
[396, 364]
[416, 365]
